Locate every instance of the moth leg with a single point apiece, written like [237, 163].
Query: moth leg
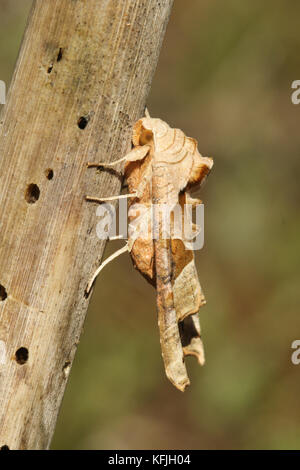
[138, 153]
[102, 265]
[112, 198]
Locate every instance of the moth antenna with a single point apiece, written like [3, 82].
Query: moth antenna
[106, 165]
[138, 153]
[112, 198]
[147, 114]
[102, 265]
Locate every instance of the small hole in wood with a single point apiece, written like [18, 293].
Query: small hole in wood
[32, 193]
[66, 368]
[49, 173]
[3, 293]
[5, 447]
[50, 69]
[82, 122]
[59, 55]
[22, 356]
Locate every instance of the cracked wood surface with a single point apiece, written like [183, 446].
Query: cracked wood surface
[81, 81]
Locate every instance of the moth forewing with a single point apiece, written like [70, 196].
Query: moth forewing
[176, 165]
[188, 298]
[172, 352]
[170, 338]
[186, 287]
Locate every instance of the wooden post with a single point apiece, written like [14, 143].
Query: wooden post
[81, 81]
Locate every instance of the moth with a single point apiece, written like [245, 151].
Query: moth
[162, 170]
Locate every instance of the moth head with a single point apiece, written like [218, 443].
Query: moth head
[142, 135]
[147, 129]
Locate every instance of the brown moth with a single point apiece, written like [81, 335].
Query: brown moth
[162, 169]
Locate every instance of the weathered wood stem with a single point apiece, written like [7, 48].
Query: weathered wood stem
[81, 81]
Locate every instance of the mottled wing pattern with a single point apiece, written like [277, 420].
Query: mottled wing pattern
[173, 166]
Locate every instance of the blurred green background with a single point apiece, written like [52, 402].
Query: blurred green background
[224, 77]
